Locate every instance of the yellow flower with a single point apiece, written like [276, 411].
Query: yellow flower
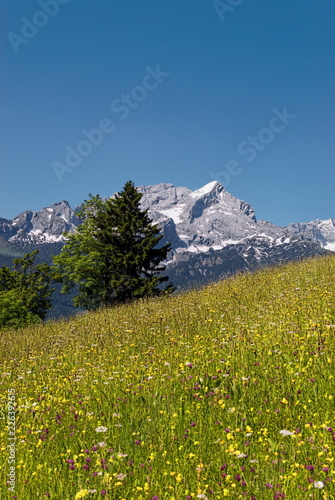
[81, 494]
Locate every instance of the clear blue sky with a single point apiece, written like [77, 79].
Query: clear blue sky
[228, 70]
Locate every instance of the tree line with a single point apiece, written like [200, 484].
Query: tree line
[114, 256]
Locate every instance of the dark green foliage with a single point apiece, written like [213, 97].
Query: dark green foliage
[113, 256]
[25, 292]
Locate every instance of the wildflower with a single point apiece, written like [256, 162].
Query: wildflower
[202, 496]
[309, 467]
[101, 429]
[81, 494]
[284, 432]
[121, 476]
[319, 484]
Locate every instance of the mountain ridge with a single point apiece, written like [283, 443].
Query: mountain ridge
[213, 233]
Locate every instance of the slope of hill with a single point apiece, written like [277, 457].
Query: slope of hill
[226, 392]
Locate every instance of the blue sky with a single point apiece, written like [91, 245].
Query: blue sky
[197, 90]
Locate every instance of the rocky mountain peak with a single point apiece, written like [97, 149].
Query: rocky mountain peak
[208, 218]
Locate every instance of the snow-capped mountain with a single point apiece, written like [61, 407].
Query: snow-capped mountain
[208, 218]
[321, 232]
[213, 234]
[46, 226]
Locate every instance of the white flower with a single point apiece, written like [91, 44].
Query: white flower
[101, 444]
[202, 496]
[242, 455]
[319, 484]
[121, 476]
[248, 434]
[101, 429]
[284, 432]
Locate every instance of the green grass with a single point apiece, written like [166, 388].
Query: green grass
[191, 392]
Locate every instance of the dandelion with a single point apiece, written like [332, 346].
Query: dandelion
[101, 429]
[319, 484]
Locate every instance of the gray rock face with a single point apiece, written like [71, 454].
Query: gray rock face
[208, 218]
[46, 226]
[321, 232]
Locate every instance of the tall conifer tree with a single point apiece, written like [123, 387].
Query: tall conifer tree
[114, 256]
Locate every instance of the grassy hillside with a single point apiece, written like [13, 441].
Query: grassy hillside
[226, 392]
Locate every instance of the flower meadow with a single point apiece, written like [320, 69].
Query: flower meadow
[223, 392]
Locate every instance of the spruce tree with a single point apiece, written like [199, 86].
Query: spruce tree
[114, 256]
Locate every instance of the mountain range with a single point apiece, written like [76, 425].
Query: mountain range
[213, 234]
